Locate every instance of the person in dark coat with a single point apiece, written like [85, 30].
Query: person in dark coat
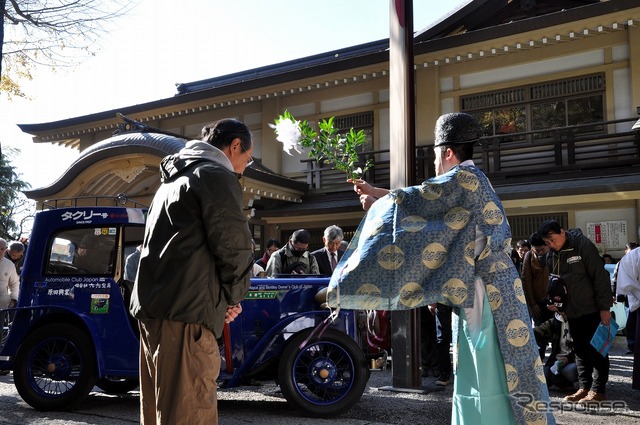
[575, 260]
[195, 268]
[535, 278]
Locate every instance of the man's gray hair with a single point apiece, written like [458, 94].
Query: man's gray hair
[333, 233]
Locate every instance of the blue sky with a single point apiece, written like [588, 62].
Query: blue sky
[160, 44]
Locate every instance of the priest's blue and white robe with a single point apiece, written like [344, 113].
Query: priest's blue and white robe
[448, 240]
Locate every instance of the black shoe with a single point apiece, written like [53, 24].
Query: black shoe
[628, 352]
[443, 380]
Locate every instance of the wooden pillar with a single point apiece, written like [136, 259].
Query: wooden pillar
[405, 334]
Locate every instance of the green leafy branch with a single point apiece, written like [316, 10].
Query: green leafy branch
[328, 145]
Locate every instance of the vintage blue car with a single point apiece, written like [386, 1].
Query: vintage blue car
[72, 330]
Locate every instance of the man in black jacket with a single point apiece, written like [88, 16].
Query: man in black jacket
[329, 256]
[195, 267]
[575, 259]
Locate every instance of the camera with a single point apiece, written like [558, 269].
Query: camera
[297, 268]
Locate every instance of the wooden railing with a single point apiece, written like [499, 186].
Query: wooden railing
[535, 156]
[560, 153]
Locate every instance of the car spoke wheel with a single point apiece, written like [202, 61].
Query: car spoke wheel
[55, 367]
[325, 377]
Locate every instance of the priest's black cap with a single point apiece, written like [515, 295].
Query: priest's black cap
[457, 128]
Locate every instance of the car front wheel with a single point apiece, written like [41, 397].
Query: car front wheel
[55, 367]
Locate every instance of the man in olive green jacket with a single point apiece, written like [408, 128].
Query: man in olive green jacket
[195, 265]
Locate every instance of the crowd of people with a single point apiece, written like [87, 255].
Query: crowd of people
[543, 268]
[566, 294]
[502, 329]
[296, 259]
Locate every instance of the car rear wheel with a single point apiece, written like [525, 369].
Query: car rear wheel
[325, 377]
[55, 367]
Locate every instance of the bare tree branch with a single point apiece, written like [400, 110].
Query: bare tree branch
[51, 33]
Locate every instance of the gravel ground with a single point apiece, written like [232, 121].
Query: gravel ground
[432, 405]
[263, 404]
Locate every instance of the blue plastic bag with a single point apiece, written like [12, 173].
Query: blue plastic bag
[603, 337]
